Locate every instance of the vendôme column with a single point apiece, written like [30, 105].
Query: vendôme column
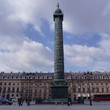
[59, 86]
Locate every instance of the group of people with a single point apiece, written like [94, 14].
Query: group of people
[21, 100]
[79, 100]
[28, 100]
[38, 101]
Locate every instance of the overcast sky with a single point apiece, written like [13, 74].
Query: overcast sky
[27, 35]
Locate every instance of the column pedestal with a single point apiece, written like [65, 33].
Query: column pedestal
[59, 92]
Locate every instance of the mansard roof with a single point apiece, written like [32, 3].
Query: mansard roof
[95, 74]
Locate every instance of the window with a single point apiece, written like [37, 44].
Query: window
[8, 90]
[107, 90]
[35, 90]
[26, 90]
[41, 83]
[106, 83]
[83, 90]
[74, 84]
[102, 89]
[35, 94]
[79, 89]
[0, 89]
[78, 83]
[74, 90]
[97, 89]
[0, 83]
[83, 83]
[17, 89]
[44, 91]
[9, 83]
[87, 89]
[40, 92]
[13, 89]
[4, 90]
[30, 90]
[44, 83]
[88, 83]
[22, 89]
[23, 83]
[102, 83]
[92, 83]
[93, 90]
[97, 83]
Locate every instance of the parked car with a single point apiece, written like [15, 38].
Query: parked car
[4, 101]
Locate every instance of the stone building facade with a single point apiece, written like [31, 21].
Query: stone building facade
[37, 85]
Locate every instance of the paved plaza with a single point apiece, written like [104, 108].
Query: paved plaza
[96, 106]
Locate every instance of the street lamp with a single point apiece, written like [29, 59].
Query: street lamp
[89, 77]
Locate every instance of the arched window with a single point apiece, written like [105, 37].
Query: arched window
[0, 89]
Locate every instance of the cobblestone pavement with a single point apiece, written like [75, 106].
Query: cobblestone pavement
[86, 106]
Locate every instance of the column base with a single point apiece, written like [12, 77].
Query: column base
[59, 92]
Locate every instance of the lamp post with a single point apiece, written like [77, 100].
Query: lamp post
[89, 77]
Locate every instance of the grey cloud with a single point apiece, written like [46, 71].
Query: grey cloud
[31, 56]
[87, 15]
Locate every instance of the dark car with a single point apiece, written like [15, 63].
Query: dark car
[4, 101]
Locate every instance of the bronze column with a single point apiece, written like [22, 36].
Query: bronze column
[59, 86]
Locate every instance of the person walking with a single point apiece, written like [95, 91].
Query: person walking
[28, 101]
[69, 101]
[19, 101]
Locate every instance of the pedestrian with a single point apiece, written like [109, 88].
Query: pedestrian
[69, 101]
[28, 101]
[19, 101]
